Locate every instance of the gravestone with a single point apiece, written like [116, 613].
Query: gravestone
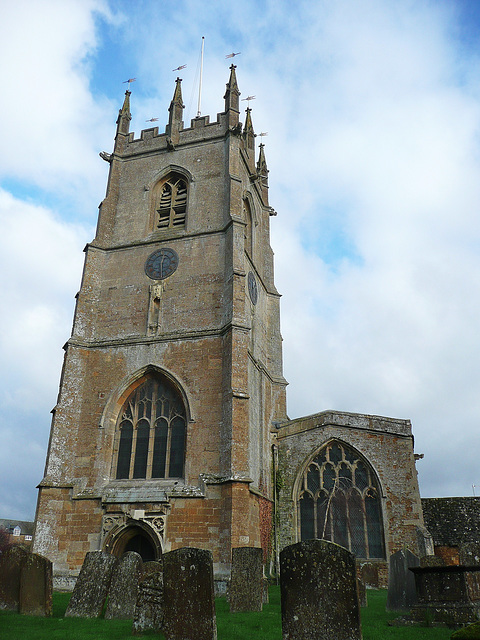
[401, 582]
[91, 588]
[11, 563]
[319, 592]
[36, 586]
[362, 592]
[189, 595]
[447, 594]
[265, 591]
[122, 594]
[369, 575]
[424, 542]
[148, 613]
[469, 554]
[246, 590]
[152, 566]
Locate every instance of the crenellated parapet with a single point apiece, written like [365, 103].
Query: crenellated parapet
[201, 130]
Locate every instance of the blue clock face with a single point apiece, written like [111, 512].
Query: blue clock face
[161, 264]
[252, 287]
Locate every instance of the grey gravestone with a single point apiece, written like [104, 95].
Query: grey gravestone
[448, 594]
[265, 591]
[469, 554]
[122, 594]
[152, 566]
[36, 586]
[11, 563]
[369, 575]
[401, 582]
[148, 614]
[319, 592]
[425, 542]
[246, 584]
[91, 588]
[189, 595]
[362, 592]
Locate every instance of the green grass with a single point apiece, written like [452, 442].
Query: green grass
[231, 626]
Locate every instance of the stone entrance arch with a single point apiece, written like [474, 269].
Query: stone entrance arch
[136, 536]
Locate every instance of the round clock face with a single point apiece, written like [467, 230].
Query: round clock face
[252, 287]
[161, 264]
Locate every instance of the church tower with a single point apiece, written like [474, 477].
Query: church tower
[172, 378]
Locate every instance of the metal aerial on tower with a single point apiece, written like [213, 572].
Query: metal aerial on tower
[199, 111]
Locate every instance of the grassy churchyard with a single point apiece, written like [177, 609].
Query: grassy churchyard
[231, 626]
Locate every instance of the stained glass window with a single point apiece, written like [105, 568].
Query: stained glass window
[151, 432]
[339, 500]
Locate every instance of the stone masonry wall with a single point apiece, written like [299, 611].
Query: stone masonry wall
[199, 327]
[387, 445]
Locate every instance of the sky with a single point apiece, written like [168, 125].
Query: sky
[372, 111]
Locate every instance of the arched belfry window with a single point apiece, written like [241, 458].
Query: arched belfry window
[339, 500]
[171, 202]
[151, 432]
[247, 212]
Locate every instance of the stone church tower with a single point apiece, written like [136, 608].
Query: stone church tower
[172, 379]
[170, 428]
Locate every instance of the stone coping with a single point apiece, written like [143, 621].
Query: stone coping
[333, 418]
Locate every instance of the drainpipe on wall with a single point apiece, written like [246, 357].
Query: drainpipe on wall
[275, 512]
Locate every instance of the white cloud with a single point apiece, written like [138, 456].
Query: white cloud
[373, 114]
[49, 117]
[40, 267]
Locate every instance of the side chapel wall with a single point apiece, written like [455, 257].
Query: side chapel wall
[387, 445]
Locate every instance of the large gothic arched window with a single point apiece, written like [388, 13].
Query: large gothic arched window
[171, 202]
[339, 500]
[151, 432]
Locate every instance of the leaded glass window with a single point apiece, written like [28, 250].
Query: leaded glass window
[339, 501]
[171, 205]
[151, 432]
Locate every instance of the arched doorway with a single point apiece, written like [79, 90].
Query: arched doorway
[135, 538]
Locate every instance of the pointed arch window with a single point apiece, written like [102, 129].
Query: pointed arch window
[151, 432]
[248, 233]
[339, 500]
[171, 203]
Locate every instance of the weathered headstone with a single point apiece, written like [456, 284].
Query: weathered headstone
[362, 592]
[246, 583]
[265, 591]
[36, 586]
[152, 566]
[319, 592]
[91, 588]
[424, 542]
[401, 582]
[11, 563]
[122, 594]
[369, 575]
[189, 595]
[448, 594]
[148, 613]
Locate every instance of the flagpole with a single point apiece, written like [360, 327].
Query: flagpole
[200, 83]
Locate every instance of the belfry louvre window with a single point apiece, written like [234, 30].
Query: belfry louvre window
[152, 428]
[171, 204]
[339, 501]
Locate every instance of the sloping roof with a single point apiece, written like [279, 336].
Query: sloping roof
[26, 528]
[452, 521]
